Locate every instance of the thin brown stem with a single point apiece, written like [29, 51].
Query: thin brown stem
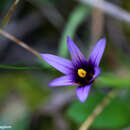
[22, 44]
[97, 24]
[10, 12]
[99, 108]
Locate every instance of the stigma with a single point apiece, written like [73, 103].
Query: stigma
[82, 73]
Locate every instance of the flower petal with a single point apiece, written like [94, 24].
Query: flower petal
[97, 72]
[63, 81]
[97, 52]
[82, 92]
[75, 53]
[63, 65]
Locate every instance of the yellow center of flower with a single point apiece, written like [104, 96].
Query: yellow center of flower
[82, 73]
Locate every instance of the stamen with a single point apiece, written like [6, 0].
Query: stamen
[82, 73]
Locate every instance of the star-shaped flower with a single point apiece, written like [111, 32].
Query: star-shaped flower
[79, 71]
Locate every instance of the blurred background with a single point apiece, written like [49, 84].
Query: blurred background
[26, 100]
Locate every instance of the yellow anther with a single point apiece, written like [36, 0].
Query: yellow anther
[82, 73]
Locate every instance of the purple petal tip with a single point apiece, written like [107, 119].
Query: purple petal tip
[98, 51]
[51, 84]
[103, 40]
[82, 92]
[68, 39]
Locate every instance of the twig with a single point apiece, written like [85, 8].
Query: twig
[22, 44]
[109, 8]
[99, 108]
[10, 12]
[21, 28]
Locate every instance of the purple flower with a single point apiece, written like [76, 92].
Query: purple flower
[79, 71]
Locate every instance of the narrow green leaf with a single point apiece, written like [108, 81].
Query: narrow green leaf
[49, 1]
[75, 18]
[113, 81]
[19, 67]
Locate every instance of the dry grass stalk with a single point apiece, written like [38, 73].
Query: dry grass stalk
[99, 108]
[22, 44]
